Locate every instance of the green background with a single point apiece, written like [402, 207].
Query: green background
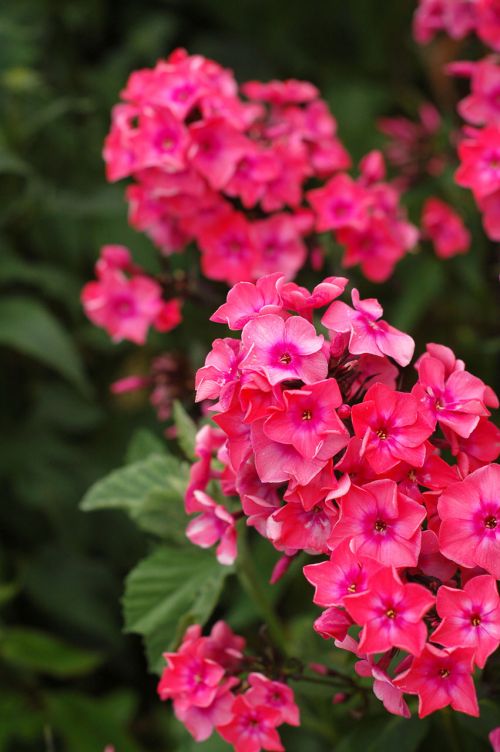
[69, 679]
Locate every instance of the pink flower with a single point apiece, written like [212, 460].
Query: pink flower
[380, 523]
[227, 248]
[482, 106]
[339, 203]
[471, 617]
[391, 613]
[391, 428]
[480, 161]
[218, 378]
[294, 528]
[189, 677]
[125, 307]
[306, 419]
[273, 694]
[333, 624]
[488, 22]
[214, 524]
[368, 334]
[345, 573]
[454, 400]
[216, 149]
[279, 245]
[284, 350]
[384, 688]
[245, 301]
[253, 727]
[201, 721]
[441, 678]
[445, 228]
[494, 737]
[470, 513]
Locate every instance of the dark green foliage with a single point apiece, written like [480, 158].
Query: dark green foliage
[70, 681]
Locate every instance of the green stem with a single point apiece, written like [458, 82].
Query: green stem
[248, 577]
[452, 733]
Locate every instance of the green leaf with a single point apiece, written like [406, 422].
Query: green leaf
[27, 326]
[142, 444]
[42, 653]
[151, 491]
[169, 590]
[186, 430]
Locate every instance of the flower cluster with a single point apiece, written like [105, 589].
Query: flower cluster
[366, 217]
[458, 18]
[479, 147]
[230, 168]
[125, 301]
[211, 167]
[328, 456]
[212, 686]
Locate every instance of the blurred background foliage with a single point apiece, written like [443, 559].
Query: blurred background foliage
[69, 679]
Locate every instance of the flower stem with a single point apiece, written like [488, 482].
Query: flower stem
[249, 579]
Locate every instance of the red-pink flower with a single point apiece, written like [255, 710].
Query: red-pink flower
[470, 513]
[380, 523]
[213, 524]
[227, 248]
[480, 161]
[384, 688]
[470, 617]
[284, 350]
[368, 334]
[391, 428]
[125, 307]
[245, 301]
[445, 228]
[279, 245]
[391, 613]
[306, 419]
[253, 727]
[456, 400]
[339, 203]
[441, 678]
[273, 694]
[494, 737]
[345, 573]
[488, 22]
[216, 148]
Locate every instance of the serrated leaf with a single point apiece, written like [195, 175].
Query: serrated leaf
[27, 326]
[168, 590]
[39, 652]
[186, 430]
[129, 487]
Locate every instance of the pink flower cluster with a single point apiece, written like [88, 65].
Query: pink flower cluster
[458, 18]
[229, 168]
[328, 456]
[125, 301]
[366, 218]
[204, 680]
[479, 149]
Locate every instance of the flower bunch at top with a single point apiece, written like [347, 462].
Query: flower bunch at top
[328, 455]
[479, 147]
[125, 301]
[212, 685]
[458, 18]
[229, 168]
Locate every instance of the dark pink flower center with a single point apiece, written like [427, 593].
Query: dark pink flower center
[285, 358]
[490, 522]
[475, 620]
[444, 673]
[391, 613]
[382, 433]
[307, 415]
[380, 526]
